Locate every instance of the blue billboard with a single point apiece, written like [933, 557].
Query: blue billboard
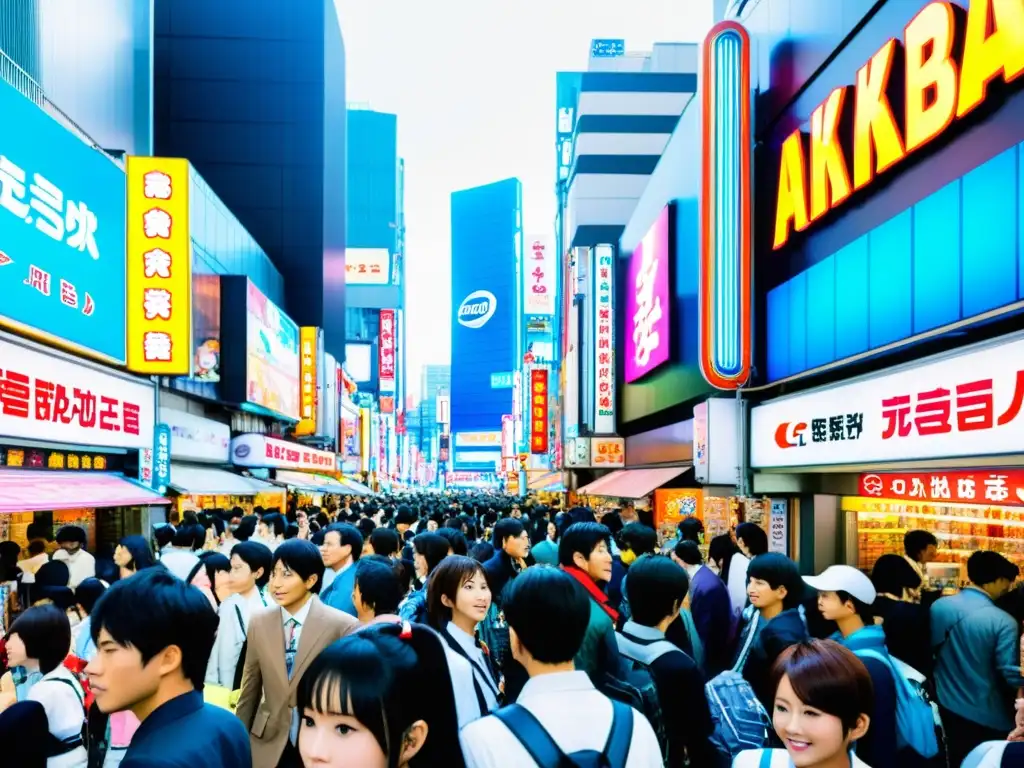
[486, 247]
[62, 232]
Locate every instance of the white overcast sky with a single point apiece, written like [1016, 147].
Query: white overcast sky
[473, 85]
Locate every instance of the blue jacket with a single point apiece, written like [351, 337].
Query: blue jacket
[338, 593]
[878, 746]
[186, 733]
[977, 658]
[712, 614]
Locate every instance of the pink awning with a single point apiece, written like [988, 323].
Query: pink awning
[631, 483]
[25, 491]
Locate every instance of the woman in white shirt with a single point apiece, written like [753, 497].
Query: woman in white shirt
[250, 571]
[458, 599]
[39, 641]
[822, 694]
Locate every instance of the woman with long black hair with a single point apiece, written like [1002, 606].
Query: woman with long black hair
[379, 698]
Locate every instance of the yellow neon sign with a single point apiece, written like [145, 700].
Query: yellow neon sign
[947, 62]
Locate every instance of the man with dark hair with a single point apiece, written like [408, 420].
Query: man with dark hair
[660, 587]
[341, 548]
[270, 678]
[710, 607]
[977, 657]
[378, 591]
[751, 541]
[920, 548]
[179, 556]
[585, 554]
[512, 546]
[81, 565]
[385, 542]
[154, 634]
[773, 622]
[548, 617]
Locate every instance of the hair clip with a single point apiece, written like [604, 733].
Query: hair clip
[406, 633]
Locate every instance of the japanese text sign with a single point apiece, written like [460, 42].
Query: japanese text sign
[538, 276]
[906, 96]
[161, 457]
[159, 252]
[269, 452]
[539, 410]
[44, 397]
[966, 404]
[308, 343]
[386, 350]
[62, 234]
[607, 452]
[1002, 487]
[367, 266]
[604, 349]
[648, 302]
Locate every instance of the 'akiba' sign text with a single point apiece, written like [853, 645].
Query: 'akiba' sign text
[946, 67]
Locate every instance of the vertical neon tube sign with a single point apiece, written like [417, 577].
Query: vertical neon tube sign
[725, 250]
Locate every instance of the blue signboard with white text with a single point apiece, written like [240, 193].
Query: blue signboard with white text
[161, 458]
[486, 239]
[62, 233]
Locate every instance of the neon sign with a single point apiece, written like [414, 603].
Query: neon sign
[725, 221]
[945, 66]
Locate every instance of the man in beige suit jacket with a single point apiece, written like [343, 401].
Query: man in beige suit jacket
[267, 697]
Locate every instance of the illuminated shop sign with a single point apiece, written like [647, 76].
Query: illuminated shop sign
[308, 396]
[725, 225]
[907, 95]
[539, 410]
[1004, 487]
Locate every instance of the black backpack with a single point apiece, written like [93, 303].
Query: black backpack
[547, 754]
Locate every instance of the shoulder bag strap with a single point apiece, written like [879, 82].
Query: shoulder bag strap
[620, 737]
[241, 621]
[767, 756]
[481, 700]
[78, 694]
[742, 658]
[531, 734]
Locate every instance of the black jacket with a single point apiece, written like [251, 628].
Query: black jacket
[772, 639]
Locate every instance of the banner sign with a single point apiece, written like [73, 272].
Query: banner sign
[539, 410]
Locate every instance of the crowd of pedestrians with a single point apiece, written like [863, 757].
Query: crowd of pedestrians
[483, 631]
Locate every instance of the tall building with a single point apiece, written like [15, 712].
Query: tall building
[435, 379]
[253, 93]
[486, 226]
[375, 277]
[613, 122]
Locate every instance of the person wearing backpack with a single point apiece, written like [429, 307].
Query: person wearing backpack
[39, 640]
[659, 587]
[560, 719]
[773, 623]
[845, 596]
[822, 705]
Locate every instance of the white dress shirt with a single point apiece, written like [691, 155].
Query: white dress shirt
[463, 672]
[81, 565]
[65, 713]
[300, 616]
[575, 714]
[227, 648]
[751, 758]
[737, 585]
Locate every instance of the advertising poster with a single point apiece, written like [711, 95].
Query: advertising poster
[604, 341]
[159, 252]
[62, 249]
[486, 252]
[206, 327]
[272, 349]
[539, 276]
[648, 302]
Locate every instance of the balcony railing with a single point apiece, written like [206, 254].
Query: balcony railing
[24, 82]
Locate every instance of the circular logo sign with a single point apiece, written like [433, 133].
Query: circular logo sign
[477, 308]
[241, 451]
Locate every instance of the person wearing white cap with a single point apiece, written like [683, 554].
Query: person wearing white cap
[845, 596]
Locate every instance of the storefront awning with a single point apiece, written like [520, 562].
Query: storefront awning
[25, 491]
[544, 481]
[358, 489]
[210, 481]
[315, 483]
[631, 483]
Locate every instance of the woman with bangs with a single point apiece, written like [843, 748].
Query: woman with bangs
[458, 599]
[379, 698]
[823, 704]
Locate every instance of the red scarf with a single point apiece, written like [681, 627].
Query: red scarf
[593, 590]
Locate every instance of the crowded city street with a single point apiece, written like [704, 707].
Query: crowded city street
[389, 384]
